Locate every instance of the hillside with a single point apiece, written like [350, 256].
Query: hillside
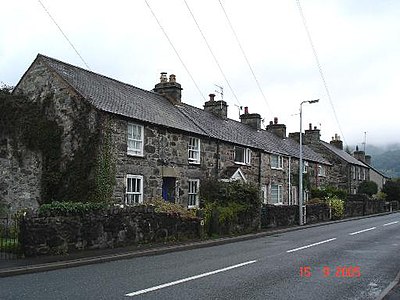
[388, 162]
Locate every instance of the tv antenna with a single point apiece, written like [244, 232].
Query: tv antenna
[220, 91]
[365, 140]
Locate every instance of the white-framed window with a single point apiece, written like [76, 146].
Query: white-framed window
[321, 171]
[194, 150]
[276, 194]
[305, 167]
[353, 171]
[364, 174]
[135, 139]
[264, 194]
[242, 155]
[193, 193]
[359, 173]
[134, 189]
[276, 162]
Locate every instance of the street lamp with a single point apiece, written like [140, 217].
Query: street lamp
[301, 161]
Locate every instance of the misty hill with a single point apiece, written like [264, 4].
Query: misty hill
[385, 158]
[388, 162]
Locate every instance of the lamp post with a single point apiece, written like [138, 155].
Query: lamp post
[301, 161]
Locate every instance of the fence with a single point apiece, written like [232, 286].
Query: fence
[9, 246]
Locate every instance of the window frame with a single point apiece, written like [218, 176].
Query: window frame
[194, 194]
[279, 162]
[305, 167]
[135, 151]
[279, 194]
[140, 192]
[246, 155]
[195, 149]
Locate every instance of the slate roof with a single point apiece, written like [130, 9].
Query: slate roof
[344, 155]
[119, 98]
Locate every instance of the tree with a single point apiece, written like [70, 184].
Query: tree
[368, 187]
[392, 190]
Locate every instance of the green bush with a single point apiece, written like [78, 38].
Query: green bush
[65, 208]
[368, 187]
[328, 192]
[337, 207]
[162, 206]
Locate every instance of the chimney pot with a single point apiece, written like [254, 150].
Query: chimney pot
[246, 110]
[310, 126]
[172, 78]
[212, 96]
[315, 127]
[275, 120]
[163, 77]
[271, 123]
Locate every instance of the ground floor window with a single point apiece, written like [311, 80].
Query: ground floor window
[134, 189]
[193, 193]
[276, 194]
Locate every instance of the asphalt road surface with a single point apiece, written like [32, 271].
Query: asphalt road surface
[349, 260]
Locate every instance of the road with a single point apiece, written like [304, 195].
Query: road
[349, 260]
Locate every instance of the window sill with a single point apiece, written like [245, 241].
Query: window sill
[241, 163]
[279, 169]
[194, 162]
[135, 155]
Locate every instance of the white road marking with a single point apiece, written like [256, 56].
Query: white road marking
[158, 287]
[311, 245]
[361, 231]
[391, 223]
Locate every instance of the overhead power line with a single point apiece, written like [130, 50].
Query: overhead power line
[65, 36]
[245, 56]
[212, 53]
[321, 73]
[175, 50]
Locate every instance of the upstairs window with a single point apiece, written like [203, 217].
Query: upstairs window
[193, 200]
[134, 189]
[276, 194]
[135, 139]
[194, 150]
[242, 155]
[321, 170]
[276, 162]
[305, 167]
[353, 171]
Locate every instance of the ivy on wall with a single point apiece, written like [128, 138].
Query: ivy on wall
[88, 175]
[25, 123]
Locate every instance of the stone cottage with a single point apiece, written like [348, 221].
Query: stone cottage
[347, 172]
[121, 142]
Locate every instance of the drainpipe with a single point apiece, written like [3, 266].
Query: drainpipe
[290, 182]
[259, 169]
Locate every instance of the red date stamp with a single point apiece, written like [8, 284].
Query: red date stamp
[337, 272]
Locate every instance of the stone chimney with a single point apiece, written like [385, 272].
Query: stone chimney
[254, 120]
[312, 135]
[218, 108]
[337, 142]
[295, 136]
[277, 129]
[368, 159]
[359, 154]
[169, 89]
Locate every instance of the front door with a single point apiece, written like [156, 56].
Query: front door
[168, 189]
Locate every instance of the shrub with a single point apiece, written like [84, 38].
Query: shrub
[337, 207]
[162, 206]
[368, 187]
[65, 208]
[328, 192]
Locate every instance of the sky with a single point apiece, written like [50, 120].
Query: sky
[266, 62]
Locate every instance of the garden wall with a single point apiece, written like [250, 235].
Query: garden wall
[115, 227]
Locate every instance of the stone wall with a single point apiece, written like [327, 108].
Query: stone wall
[19, 178]
[284, 215]
[53, 235]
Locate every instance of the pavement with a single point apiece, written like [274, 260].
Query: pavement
[20, 266]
